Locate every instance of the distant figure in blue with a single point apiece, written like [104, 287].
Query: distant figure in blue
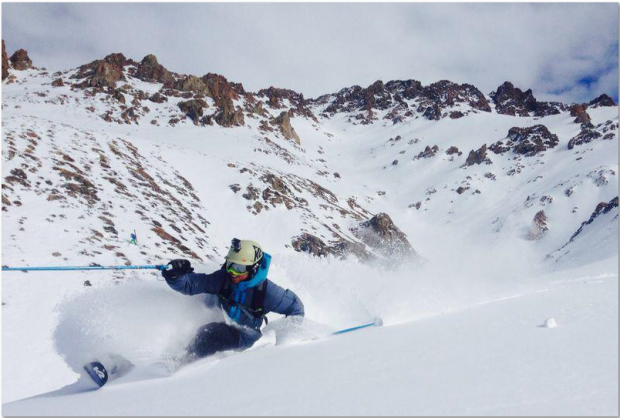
[244, 293]
[134, 238]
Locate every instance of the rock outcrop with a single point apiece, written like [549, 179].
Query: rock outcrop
[193, 84]
[526, 141]
[275, 99]
[601, 209]
[380, 234]
[193, 109]
[308, 243]
[5, 62]
[20, 60]
[433, 99]
[478, 156]
[539, 226]
[158, 98]
[223, 93]
[510, 100]
[283, 122]
[427, 153]
[152, 71]
[103, 73]
[578, 111]
[602, 100]
[586, 135]
[445, 94]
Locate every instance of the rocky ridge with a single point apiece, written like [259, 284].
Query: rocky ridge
[133, 93]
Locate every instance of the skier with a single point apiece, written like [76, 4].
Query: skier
[244, 293]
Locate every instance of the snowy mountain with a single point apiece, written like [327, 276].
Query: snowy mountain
[439, 208]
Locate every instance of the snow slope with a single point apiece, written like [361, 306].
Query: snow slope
[461, 332]
[491, 358]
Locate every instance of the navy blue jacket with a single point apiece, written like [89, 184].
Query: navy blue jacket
[238, 307]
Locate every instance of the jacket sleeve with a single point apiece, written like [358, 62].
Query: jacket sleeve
[195, 283]
[282, 301]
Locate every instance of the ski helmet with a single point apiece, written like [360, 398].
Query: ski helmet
[246, 252]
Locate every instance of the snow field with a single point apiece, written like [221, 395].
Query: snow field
[495, 358]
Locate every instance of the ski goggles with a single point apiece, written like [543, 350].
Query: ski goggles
[236, 269]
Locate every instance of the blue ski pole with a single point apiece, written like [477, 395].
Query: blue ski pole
[376, 323]
[76, 268]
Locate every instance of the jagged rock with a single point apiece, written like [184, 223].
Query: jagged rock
[58, 83]
[404, 89]
[578, 111]
[526, 141]
[602, 100]
[601, 209]
[276, 96]
[427, 153]
[193, 108]
[130, 115]
[221, 91]
[539, 226]
[103, 73]
[158, 98]
[206, 120]
[397, 114]
[380, 234]
[307, 243]
[118, 95]
[257, 109]
[478, 156]
[152, 71]
[230, 117]
[453, 150]
[510, 100]
[5, 62]
[433, 99]
[252, 193]
[284, 123]
[193, 84]
[586, 135]
[432, 112]
[20, 60]
[444, 94]
[315, 246]
[375, 96]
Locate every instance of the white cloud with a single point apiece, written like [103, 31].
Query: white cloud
[319, 48]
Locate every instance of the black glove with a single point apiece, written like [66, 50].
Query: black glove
[177, 269]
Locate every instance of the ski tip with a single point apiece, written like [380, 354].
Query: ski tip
[97, 372]
[378, 322]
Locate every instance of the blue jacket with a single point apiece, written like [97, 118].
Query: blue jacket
[238, 306]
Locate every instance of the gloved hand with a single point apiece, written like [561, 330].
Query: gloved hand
[177, 269]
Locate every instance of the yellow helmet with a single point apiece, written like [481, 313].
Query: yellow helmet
[244, 252]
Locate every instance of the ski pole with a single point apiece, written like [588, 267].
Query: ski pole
[376, 323]
[75, 268]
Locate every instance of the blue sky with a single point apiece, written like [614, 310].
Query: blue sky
[562, 51]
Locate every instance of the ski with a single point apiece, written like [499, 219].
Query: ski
[97, 372]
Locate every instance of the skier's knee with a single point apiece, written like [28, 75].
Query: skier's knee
[214, 337]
